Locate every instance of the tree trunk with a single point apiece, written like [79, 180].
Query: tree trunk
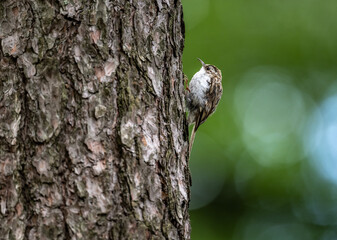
[93, 134]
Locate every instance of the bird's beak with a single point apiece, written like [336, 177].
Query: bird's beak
[203, 64]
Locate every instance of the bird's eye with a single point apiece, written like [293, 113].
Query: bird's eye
[208, 68]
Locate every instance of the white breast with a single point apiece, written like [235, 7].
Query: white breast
[199, 85]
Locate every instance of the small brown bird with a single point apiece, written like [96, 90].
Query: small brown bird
[203, 96]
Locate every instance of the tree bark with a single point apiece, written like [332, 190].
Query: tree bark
[93, 133]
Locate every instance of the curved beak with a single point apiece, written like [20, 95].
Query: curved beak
[203, 64]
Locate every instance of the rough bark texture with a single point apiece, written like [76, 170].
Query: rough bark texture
[93, 136]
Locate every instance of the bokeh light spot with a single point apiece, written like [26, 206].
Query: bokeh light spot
[321, 141]
[271, 112]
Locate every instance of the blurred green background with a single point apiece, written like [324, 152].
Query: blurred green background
[264, 166]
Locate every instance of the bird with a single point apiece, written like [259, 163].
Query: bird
[203, 95]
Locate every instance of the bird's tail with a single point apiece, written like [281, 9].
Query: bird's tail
[192, 139]
[195, 128]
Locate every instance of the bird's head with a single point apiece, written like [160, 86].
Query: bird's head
[211, 70]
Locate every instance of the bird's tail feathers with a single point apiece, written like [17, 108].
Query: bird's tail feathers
[192, 139]
[194, 130]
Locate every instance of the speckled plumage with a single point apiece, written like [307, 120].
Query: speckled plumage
[204, 94]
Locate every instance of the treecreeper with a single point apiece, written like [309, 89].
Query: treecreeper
[203, 95]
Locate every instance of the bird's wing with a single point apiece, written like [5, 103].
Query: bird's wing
[211, 103]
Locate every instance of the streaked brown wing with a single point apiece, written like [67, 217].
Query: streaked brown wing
[214, 94]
